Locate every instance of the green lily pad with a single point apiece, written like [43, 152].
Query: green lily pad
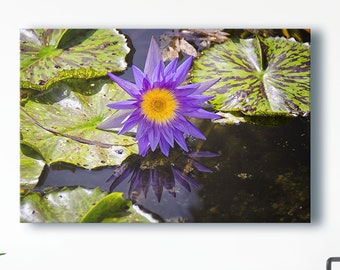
[48, 56]
[31, 166]
[61, 126]
[77, 205]
[113, 208]
[66, 205]
[260, 76]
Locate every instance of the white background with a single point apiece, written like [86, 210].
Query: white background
[176, 246]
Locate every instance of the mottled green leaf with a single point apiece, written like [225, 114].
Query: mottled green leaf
[111, 205]
[260, 76]
[31, 166]
[113, 208]
[66, 205]
[61, 125]
[77, 205]
[48, 56]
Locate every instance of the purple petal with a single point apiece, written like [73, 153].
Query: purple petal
[188, 128]
[180, 140]
[126, 127]
[136, 115]
[115, 175]
[200, 167]
[170, 187]
[203, 154]
[182, 71]
[126, 175]
[130, 122]
[168, 135]
[170, 69]
[165, 147]
[143, 127]
[146, 84]
[180, 180]
[200, 113]
[127, 86]
[143, 146]
[153, 58]
[189, 109]
[158, 75]
[185, 177]
[154, 137]
[169, 73]
[201, 98]
[136, 184]
[206, 85]
[186, 90]
[139, 77]
[114, 121]
[123, 105]
[157, 185]
[196, 99]
[146, 182]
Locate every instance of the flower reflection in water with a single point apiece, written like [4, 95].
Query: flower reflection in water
[158, 172]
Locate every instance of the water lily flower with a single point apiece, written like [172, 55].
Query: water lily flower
[159, 104]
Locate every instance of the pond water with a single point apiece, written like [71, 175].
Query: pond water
[244, 172]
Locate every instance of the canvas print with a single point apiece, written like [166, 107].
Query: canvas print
[164, 125]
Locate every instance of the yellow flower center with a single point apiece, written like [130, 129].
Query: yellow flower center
[159, 105]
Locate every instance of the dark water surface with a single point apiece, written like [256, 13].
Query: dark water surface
[261, 172]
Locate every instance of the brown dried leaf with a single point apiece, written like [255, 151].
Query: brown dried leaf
[175, 47]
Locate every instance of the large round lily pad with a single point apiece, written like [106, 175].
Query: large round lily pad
[62, 126]
[259, 76]
[50, 55]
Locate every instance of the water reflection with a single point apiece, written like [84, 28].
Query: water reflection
[159, 173]
[261, 175]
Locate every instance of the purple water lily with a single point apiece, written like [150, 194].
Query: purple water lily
[160, 104]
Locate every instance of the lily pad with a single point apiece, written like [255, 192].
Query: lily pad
[66, 205]
[260, 76]
[61, 126]
[77, 205]
[113, 208]
[48, 56]
[31, 166]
